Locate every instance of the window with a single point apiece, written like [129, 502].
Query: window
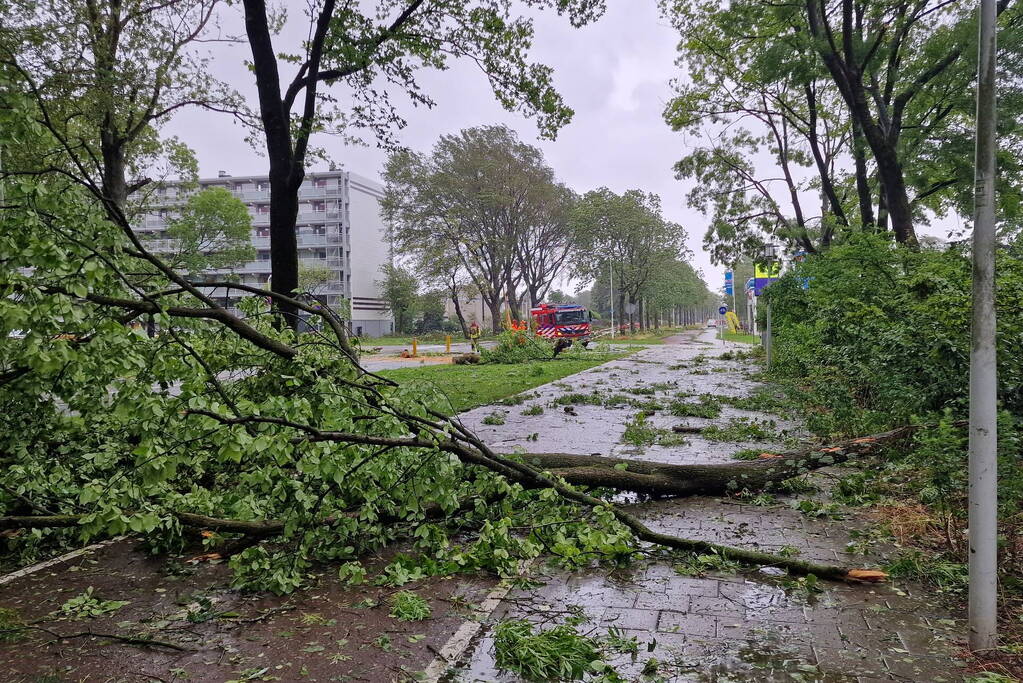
[571, 317]
[319, 207]
[263, 231]
[320, 182]
[319, 229]
[262, 186]
[263, 255]
[263, 208]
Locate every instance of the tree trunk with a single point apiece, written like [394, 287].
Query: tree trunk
[827, 186]
[882, 210]
[283, 241]
[458, 312]
[889, 172]
[713, 479]
[115, 185]
[646, 477]
[284, 177]
[495, 314]
[866, 201]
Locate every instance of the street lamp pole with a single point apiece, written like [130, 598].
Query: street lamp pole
[983, 457]
[768, 254]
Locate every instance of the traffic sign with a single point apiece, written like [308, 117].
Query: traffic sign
[722, 310]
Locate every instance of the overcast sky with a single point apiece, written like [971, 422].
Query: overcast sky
[615, 74]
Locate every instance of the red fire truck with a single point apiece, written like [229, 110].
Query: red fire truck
[561, 321]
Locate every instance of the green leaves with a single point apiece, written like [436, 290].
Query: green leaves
[87, 605]
[211, 231]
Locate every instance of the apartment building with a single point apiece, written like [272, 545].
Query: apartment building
[339, 231]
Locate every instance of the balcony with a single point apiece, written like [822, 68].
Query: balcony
[312, 240]
[255, 267]
[328, 263]
[312, 192]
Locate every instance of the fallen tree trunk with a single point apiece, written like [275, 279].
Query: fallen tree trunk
[602, 472]
[622, 474]
[711, 479]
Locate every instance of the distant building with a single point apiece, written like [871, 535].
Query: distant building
[339, 228]
[473, 310]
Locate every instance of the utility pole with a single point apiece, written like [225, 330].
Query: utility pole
[983, 467]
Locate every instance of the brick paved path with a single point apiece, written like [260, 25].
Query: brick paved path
[723, 626]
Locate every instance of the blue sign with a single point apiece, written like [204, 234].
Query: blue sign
[723, 310]
[750, 284]
[728, 288]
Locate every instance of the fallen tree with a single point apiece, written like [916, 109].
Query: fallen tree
[663, 479]
[562, 472]
[243, 425]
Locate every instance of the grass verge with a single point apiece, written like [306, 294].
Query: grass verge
[741, 338]
[468, 386]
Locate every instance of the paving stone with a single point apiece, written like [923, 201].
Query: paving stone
[856, 662]
[676, 601]
[629, 618]
[717, 606]
[687, 624]
[919, 668]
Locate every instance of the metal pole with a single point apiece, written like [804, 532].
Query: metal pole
[983, 490]
[767, 334]
[735, 268]
[755, 330]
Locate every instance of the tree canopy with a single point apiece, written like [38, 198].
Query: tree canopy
[210, 232]
[867, 106]
[485, 204]
[628, 235]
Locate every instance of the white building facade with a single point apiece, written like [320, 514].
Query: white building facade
[339, 229]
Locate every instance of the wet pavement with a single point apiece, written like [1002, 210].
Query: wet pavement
[680, 371]
[692, 623]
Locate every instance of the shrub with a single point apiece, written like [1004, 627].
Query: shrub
[517, 346]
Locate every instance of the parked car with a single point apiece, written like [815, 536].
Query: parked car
[711, 322]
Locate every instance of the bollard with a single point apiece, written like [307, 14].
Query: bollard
[414, 347]
[447, 343]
